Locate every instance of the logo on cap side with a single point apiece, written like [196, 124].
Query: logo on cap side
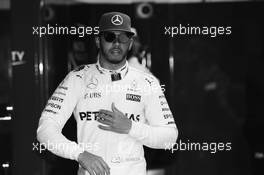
[117, 20]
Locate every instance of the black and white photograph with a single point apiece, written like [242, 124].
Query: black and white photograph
[131, 87]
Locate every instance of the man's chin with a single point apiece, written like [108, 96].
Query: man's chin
[116, 60]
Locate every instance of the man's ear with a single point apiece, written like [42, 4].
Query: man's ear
[97, 42]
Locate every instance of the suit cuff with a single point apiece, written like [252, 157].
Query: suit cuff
[137, 130]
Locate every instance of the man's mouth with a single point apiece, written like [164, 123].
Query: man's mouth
[116, 51]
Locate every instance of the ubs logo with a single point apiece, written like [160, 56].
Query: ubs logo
[93, 95]
[117, 20]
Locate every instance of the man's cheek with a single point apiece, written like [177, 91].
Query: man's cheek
[125, 49]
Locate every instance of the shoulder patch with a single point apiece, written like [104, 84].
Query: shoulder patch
[146, 77]
[150, 79]
[79, 76]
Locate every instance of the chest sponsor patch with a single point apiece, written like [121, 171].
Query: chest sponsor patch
[93, 95]
[133, 97]
[92, 115]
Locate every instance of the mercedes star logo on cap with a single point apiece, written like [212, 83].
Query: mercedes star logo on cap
[117, 20]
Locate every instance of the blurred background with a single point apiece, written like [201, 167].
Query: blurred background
[214, 85]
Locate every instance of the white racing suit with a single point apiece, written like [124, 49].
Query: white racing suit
[90, 88]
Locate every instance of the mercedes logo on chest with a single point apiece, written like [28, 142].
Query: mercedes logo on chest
[117, 20]
[93, 82]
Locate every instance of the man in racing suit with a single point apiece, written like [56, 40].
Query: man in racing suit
[118, 109]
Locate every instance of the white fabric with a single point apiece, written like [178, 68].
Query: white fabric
[87, 90]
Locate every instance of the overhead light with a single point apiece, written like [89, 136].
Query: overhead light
[9, 108]
[5, 118]
[5, 165]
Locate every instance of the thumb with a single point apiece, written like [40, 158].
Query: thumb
[114, 109]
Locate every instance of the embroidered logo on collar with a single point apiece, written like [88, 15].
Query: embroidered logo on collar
[133, 86]
[93, 82]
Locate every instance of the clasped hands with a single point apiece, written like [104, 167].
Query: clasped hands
[114, 121]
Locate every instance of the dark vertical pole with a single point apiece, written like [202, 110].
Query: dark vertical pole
[25, 59]
[171, 58]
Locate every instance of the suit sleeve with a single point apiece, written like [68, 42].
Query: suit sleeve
[56, 113]
[160, 130]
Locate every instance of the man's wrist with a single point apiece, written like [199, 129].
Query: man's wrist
[79, 155]
[137, 129]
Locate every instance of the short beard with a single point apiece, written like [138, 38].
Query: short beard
[112, 61]
[115, 61]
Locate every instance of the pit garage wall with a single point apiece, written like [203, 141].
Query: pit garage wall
[207, 91]
[26, 95]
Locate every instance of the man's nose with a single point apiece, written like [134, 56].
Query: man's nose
[116, 42]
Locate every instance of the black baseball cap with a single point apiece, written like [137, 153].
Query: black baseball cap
[115, 21]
